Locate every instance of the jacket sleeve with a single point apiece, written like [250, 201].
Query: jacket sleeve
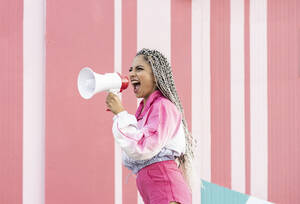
[162, 122]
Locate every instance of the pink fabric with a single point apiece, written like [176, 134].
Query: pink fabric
[161, 183]
[162, 120]
[149, 131]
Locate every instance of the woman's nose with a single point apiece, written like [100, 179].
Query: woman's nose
[132, 74]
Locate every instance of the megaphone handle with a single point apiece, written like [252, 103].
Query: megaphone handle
[114, 91]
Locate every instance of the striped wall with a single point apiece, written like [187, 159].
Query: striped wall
[283, 101]
[11, 104]
[79, 144]
[34, 101]
[236, 68]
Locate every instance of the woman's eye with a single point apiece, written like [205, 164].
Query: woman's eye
[137, 68]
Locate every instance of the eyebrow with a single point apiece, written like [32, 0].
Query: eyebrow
[136, 66]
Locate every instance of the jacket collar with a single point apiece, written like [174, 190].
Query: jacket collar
[156, 94]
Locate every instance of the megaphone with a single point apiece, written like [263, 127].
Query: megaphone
[89, 83]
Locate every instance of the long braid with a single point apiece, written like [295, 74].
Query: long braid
[165, 82]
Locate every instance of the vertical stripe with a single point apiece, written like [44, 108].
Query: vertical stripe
[11, 101]
[258, 97]
[34, 102]
[181, 52]
[118, 68]
[129, 47]
[79, 140]
[220, 92]
[201, 105]
[247, 97]
[181, 58]
[153, 26]
[283, 101]
[237, 75]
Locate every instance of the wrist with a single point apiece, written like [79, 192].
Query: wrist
[119, 111]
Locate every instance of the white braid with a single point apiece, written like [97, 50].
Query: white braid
[165, 82]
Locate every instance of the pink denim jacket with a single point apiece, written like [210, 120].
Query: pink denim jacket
[144, 135]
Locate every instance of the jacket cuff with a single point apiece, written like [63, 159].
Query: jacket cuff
[120, 114]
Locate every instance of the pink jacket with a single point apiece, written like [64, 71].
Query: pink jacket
[144, 135]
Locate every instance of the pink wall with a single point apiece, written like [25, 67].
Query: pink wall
[129, 48]
[11, 101]
[247, 97]
[284, 100]
[220, 93]
[82, 34]
[79, 143]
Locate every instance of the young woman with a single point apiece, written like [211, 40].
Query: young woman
[155, 142]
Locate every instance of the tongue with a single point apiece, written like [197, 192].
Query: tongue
[136, 88]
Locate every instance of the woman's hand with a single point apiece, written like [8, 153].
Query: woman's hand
[114, 104]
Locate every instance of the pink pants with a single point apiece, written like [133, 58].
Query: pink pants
[161, 183]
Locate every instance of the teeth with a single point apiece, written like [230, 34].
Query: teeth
[135, 82]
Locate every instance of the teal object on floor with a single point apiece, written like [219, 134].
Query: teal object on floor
[215, 194]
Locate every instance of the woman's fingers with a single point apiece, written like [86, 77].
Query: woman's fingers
[111, 98]
[113, 103]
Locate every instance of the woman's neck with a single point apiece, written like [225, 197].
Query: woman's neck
[145, 100]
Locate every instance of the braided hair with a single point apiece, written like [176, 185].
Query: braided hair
[165, 83]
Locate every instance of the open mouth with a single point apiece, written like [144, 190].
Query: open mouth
[136, 86]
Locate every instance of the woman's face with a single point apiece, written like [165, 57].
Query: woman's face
[142, 78]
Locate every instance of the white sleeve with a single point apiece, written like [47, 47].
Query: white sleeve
[145, 142]
[139, 144]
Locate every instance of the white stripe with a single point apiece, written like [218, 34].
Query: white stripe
[201, 115]
[154, 28]
[34, 101]
[118, 68]
[259, 98]
[201, 91]
[237, 77]
[153, 25]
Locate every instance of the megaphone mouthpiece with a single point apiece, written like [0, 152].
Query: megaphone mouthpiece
[125, 82]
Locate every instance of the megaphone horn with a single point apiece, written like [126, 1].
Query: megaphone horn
[89, 83]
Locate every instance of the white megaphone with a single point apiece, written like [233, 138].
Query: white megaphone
[89, 83]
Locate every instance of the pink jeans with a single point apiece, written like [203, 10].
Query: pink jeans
[161, 183]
